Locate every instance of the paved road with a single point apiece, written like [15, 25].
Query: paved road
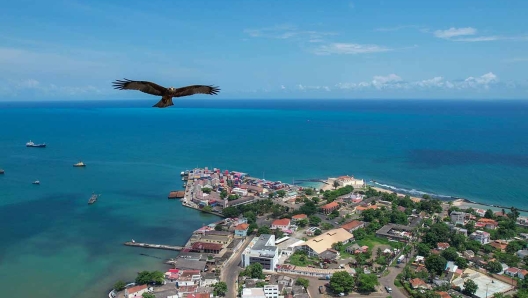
[230, 270]
[388, 280]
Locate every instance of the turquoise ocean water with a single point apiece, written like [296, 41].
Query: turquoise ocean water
[52, 239]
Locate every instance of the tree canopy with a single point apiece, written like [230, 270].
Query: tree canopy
[220, 288]
[342, 282]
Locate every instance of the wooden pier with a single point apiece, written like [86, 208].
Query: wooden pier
[177, 194]
[157, 246]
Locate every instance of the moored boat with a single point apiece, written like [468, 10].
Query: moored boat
[79, 164]
[1, 171]
[36, 182]
[31, 144]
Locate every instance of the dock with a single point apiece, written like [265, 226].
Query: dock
[176, 194]
[157, 246]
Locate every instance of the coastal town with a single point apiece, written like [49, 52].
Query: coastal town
[341, 238]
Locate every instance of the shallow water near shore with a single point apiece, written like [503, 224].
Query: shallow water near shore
[473, 150]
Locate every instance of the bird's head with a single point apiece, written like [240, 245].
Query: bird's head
[172, 88]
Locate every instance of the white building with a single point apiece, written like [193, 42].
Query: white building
[239, 191]
[261, 250]
[348, 180]
[321, 243]
[253, 293]
[480, 236]
[271, 291]
[458, 217]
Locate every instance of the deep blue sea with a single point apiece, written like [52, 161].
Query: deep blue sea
[134, 154]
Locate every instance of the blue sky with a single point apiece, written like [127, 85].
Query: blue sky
[266, 49]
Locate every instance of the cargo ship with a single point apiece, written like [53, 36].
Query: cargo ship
[31, 144]
[93, 198]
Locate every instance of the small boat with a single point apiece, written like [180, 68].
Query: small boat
[31, 144]
[93, 198]
[36, 182]
[1, 171]
[79, 164]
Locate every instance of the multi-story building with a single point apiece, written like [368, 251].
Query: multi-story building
[457, 217]
[480, 236]
[261, 250]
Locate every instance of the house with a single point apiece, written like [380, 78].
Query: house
[271, 291]
[241, 230]
[480, 236]
[328, 208]
[480, 212]
[486, 223]
[522, 253]
[360, 209]
[329, 255]
[253, 293]
[205, 247]
[443, 294]
[299, 217]
[189, 278]
[512, 271]
[417, 283]
[240, 192]
[458, 230]
[261, 250]
[395, 232]
[353, 225]
[457, 217]
[522, 273]
[136, 291]
[200, 295]
[469, 254]
[321, 243]
[281, 224]
[442, 245]
[500, 245]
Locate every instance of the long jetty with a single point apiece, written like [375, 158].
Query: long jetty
[157, 246]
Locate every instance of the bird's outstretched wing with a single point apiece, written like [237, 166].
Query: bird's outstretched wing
[195, 89]
[143, 86]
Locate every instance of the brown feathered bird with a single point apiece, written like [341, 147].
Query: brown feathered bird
[166, 93]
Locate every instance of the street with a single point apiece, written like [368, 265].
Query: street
[230, 270]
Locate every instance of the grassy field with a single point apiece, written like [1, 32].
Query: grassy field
[302, 260]
[372, 241]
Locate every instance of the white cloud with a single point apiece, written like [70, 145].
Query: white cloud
[349, 48]
[394, 81]
[305, 88]
[463, 35]
[287, 32]
[31, 87]
[454, 32]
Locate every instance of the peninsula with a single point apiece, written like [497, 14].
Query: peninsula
[341, 238]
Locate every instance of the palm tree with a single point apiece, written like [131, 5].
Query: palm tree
[335, 184]
[378, 252]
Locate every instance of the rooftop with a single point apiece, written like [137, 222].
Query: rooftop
[324, 241]
[484, 283]
[352, 225]
[330, 205]
[281, 222]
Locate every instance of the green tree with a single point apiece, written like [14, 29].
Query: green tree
[317, 232]
[254, 271]
[302, 282]
[489, 214]
[230, 212]
[220, 288]
[423, 249]
[359, 234]
[450, 254]
[207, 190]
[148, 295]
[207, 208]
[366, 283]
[335, 184]
[470, 287]
[461, 263]
[264, 230]
[281, 193]
[143, 277]
[223, 194]
[219, 228]
[119, 285]
[302, 223]
[341, 282]
[314, 220]
[435, 263]
[494, 267]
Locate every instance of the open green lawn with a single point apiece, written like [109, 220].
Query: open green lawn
[371, 241]
[302, 260]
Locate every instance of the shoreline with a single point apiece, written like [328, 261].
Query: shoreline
[456, 201]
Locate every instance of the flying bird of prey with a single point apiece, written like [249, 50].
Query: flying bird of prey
[166, 93]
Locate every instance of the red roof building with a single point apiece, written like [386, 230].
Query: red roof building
[328, 208]
[205, 247]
